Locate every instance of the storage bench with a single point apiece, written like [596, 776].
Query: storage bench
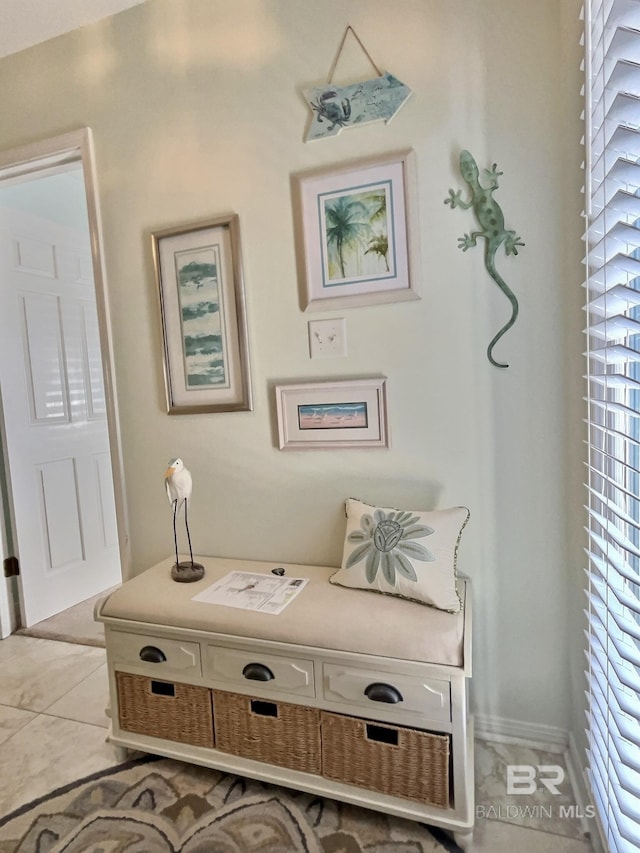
[347, 693]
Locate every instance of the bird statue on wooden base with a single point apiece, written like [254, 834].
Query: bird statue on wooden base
[178, 483]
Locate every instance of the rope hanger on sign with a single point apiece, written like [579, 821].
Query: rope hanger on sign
[348, 30]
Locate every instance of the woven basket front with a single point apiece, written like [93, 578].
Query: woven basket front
[273, 732]
[415, 765]
[184, 716]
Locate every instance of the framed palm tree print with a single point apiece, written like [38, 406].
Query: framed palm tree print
[198, 270]
[356, 224]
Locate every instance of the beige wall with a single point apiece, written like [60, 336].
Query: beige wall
[196, 110]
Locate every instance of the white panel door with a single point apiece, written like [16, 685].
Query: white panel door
[54, 415]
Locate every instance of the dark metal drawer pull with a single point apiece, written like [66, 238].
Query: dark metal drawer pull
[379, 692]
[257, 672]
[151, 654]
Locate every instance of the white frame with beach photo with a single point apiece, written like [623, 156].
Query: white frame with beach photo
[342, 413]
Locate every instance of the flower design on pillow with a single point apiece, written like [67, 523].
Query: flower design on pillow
[385, 539]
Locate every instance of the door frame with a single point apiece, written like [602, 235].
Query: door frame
[37, 159]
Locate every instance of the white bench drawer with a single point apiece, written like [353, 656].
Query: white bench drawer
[367, 690]
[153, 654]
[249, 671]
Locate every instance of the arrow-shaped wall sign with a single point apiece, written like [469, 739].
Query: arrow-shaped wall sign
[336, 107]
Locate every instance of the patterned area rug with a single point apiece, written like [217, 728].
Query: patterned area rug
[154, 805]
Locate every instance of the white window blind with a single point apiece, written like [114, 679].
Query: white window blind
[612, 143]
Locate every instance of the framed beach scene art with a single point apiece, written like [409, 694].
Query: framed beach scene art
[355, 232]
[342, 413]
[202, 310]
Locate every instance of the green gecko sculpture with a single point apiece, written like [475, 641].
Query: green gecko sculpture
[491, 219]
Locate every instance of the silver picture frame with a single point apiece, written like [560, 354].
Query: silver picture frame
[200, 284]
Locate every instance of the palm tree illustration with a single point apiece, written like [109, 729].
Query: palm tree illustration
[380, 246]
[378, 206]
[348, 224]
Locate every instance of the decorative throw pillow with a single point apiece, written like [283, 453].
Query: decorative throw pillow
[409, 553]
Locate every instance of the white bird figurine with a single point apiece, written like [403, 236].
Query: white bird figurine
[178, 483]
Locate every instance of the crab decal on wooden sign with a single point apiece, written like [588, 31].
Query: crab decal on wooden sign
[336, 107]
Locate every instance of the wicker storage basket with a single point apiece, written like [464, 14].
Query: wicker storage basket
[273, 732]
[163, 709]
[391, 760]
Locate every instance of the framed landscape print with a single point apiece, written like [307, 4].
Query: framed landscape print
[206, 356]
[356, 231]
[342, 413]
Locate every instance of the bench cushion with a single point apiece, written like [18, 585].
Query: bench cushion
[322, 615]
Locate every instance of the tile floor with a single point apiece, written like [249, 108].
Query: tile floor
[53, 728]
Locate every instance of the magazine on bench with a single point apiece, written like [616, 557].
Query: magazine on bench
[251, 591]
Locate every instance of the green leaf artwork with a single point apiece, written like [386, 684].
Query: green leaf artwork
[386, 541]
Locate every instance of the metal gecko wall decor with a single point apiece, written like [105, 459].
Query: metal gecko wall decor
[335, 107]
[491, 220]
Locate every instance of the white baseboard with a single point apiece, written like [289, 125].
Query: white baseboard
[500, 729]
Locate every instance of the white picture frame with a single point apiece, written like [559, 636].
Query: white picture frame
[338, 414]
[356, 233]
